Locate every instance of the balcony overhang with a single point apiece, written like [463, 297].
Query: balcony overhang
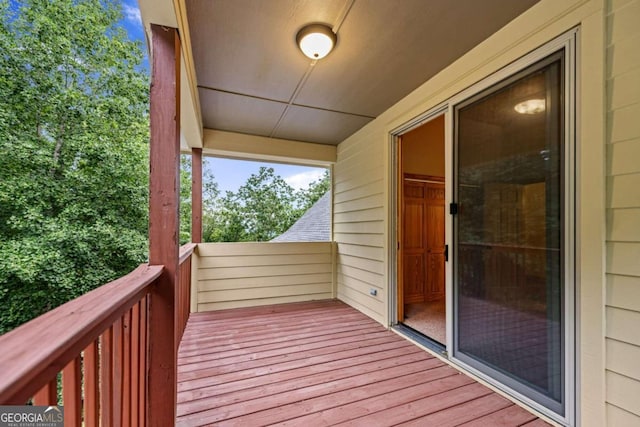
[251, 147]
[243, 73]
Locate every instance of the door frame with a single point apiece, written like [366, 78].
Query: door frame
[395, 223]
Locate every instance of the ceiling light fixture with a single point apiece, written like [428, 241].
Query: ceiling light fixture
[531, 106]
[316, 40]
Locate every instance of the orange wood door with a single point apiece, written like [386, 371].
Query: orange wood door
[423, 242]
[434, 241]
[413, 242]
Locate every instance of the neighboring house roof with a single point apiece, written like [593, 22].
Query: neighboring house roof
[313, 226]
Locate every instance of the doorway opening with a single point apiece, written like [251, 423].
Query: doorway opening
[421, 230]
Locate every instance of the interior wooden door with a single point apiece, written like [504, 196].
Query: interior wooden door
[413, 242]
[435, 241]
[423, 241]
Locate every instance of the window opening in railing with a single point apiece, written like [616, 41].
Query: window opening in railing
[248, 201]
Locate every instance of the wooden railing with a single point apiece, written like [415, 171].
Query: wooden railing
[183, 290]
[98, 343]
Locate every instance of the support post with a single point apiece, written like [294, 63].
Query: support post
[196, 195]
[163, 223]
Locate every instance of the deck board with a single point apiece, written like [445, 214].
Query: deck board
[321, 363]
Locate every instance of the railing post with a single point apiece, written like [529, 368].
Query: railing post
[163, 223]
[196, 195]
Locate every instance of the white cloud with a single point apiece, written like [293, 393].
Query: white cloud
[131, 13]
[303, 179]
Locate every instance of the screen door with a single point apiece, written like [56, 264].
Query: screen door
[508, 231]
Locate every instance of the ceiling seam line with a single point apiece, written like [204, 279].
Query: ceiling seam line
[329, 110]
[343, 15]
[261, 98]
[295, 93]
[230, 92]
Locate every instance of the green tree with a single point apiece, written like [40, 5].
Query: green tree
[210, 193]
[73, 153]
[309, 196]
[262, 208]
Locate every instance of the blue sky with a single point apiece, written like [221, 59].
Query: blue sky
[230, 174]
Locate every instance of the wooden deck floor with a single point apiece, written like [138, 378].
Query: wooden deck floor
[322, 363]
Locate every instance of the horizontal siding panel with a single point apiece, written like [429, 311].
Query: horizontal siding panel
[366, 141]
[263, 260]
[376, 240]
[623, 292]
[623, 23]
[624, 121]
[622, 157]
[623, 358]
[623, 392]
[367, 276]
[624, 56]
[355, 182]
[365, 215]
[365, 303]
[358, 221]
[262, 248]
[623, 220]
[359, 284]
[623, 225]
[624, 89]
[262, 271]
[361, 263]
[375, 304]
[260, 282]
[368, 252]
[372, 172]
[373, 201]
[619, 417]
[623, 325]
[623, 191]
[245, 274]
[260, 293]
[375, 187]
[366, 227]
[361, 160]
[259, 302]
[623, 258]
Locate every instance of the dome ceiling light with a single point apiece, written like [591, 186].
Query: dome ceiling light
[531, 106]
[316, 40]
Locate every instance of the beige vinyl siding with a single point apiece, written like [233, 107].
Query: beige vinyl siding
[358, 227]
[623, 213]
[362, 175]
[231, 275]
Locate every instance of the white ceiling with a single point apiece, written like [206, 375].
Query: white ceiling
[253, 79]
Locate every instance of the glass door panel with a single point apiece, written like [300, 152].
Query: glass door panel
[508, 232]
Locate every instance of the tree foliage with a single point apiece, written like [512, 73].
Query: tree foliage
[73, 153]
[309, 196]
[262, 208]
[210, 193]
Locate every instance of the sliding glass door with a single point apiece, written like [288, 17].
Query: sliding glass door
[509, 232]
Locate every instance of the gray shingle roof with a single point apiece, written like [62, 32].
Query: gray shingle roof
[314, 225]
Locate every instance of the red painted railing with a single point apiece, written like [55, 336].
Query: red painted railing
[183, 290]
[99, 344]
